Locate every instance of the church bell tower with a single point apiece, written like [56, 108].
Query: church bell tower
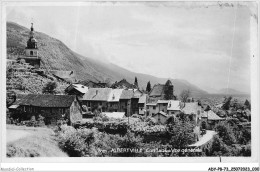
[32, 48]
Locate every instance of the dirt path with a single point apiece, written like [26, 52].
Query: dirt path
[13, 135]
[205, 138]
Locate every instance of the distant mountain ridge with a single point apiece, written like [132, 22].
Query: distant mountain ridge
[230, 91]
[56, 55]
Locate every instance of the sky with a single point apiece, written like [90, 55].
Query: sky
[207, 45]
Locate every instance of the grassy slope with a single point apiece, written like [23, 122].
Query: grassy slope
[41, 143]
[56, 55]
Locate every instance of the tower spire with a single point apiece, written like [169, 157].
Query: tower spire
[32, 27]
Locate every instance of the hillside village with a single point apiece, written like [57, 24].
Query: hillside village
[40, 96]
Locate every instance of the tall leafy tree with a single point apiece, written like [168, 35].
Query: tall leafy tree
[181, 134]
[226, 103]
[148, 87]
[168, 90]
[247, 104]
[185, 94]
[136, 82]
[50, 88]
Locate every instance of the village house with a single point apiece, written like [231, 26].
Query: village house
[97, 99]
[113, 100]
[142, 104]
[152, 109]
[76, 89]
[125, 101]
[123, 84]
[162, 105]
[92, 84]
[160, 117]
[192, 109]
[174, 106]
[208, 119]
[162, 92]
[134, 102]
[52, 107]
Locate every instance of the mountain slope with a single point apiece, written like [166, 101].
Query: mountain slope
[56, 55]
[229, 91]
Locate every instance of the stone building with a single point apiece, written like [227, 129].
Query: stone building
[52, 107]
[125, 101]
[97, 99]
[162, 92]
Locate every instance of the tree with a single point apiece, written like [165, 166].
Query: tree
[148, 87]
[185, 94]
[247, 104]
[136, 82]
[168, 90]
[226, 133]
[181, 134]
[50, 88]
[226, 103]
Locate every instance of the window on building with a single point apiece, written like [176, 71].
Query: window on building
[31, 53]
[154, 107]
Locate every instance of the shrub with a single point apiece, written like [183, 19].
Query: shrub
[225, 132]
[77, 143]
[181, 134]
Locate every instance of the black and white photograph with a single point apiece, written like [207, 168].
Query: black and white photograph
[139, 79]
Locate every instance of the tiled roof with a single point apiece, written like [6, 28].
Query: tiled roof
[137, 93]
[190, 108]
[143, 99]
[157, 90]
[81, 88]
[123, 84]
[97, 94]
[174, 105]
[211, 116]
[46, 100]
[115, 95]
[163, 101]
[151, 104]
[162, 113]
[127, 94]
[114, 114]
